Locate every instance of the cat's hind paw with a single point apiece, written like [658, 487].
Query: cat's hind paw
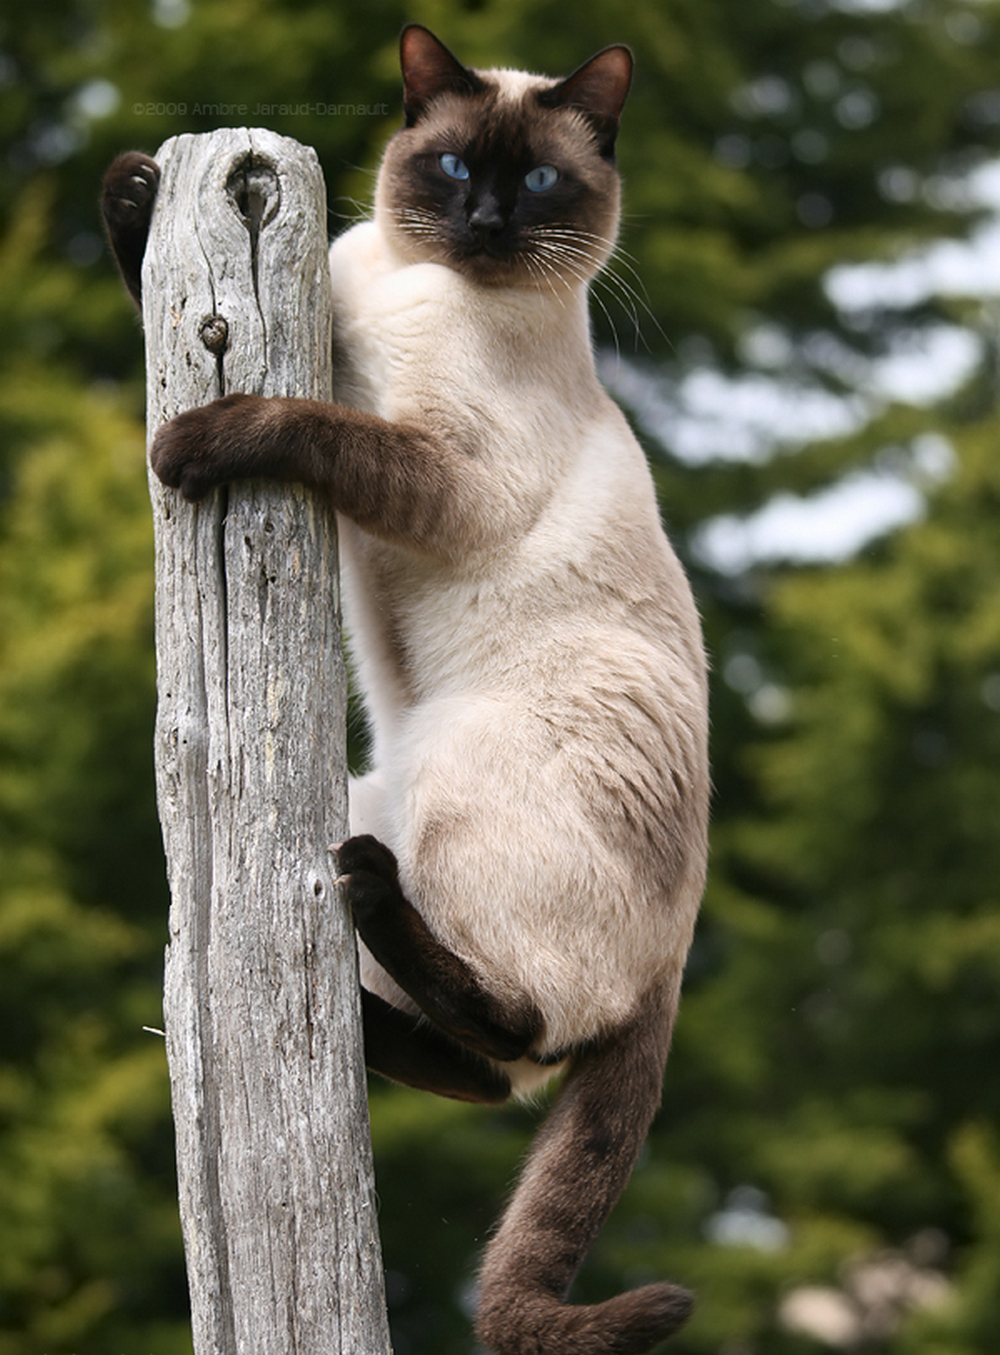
[365, 855]
[369, 877]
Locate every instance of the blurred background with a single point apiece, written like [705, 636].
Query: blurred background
[803, 324]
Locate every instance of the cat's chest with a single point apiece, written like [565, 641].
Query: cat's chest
[393, 328]
[420, 335]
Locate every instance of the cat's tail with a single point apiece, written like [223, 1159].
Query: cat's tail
[577, 1168]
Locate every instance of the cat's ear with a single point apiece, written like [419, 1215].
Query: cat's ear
[598, 88]
[429, 69]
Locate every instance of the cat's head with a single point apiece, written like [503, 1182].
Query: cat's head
[507, 178]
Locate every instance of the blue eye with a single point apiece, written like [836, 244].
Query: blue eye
[538, 180]
[453, 167]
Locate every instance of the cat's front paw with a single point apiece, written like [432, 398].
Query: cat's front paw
[128, 193]
[209, 446]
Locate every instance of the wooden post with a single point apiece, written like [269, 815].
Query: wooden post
[261, 999]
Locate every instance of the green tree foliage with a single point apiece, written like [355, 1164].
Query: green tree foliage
[831, 1106]
[854, 913]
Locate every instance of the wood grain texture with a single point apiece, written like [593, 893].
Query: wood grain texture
[261, 998]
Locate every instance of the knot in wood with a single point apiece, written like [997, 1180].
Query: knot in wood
[254, 190]
[214, 333]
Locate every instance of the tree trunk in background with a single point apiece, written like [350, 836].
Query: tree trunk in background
[261, 996]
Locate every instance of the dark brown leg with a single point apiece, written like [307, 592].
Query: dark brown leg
[410, 1050]
[442, 985]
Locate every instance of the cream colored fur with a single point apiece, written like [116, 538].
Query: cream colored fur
[537, 687]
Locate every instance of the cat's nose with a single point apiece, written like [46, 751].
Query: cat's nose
[486, 218]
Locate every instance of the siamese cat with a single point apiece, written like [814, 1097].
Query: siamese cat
[529, 846]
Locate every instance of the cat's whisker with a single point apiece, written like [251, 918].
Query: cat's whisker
[566, 239]
[551, 276]
[635, 290]
[598, 301]
[605, 262]
[572, 254]
[362, 210]
[635, 300]
[578, 259]
[418, 222]
[597, 245]
[570, 250]
[547, 277]
[578, 263]
[560, 266]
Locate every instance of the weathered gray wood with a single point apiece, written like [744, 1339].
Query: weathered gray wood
[260, 1003]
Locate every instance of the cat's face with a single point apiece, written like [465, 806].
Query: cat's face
[504, 177]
